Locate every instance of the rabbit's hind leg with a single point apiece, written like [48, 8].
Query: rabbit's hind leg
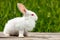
[7, 35]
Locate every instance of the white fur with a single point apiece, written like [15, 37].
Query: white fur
[16, 25]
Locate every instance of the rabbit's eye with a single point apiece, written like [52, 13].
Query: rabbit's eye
[32, 14]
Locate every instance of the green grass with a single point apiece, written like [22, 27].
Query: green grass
[48, 12]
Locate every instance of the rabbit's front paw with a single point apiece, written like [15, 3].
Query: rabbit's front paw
[21, 35]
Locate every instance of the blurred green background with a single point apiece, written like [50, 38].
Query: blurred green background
[48, 12]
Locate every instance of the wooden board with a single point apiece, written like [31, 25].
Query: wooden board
[33, 36]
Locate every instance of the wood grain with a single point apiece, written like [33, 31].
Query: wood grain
[33, 36]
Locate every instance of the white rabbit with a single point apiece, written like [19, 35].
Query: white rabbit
[21, 25]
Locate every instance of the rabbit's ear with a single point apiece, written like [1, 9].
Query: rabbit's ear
[21, 7]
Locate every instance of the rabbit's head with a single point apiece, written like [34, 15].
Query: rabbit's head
[27, 13]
